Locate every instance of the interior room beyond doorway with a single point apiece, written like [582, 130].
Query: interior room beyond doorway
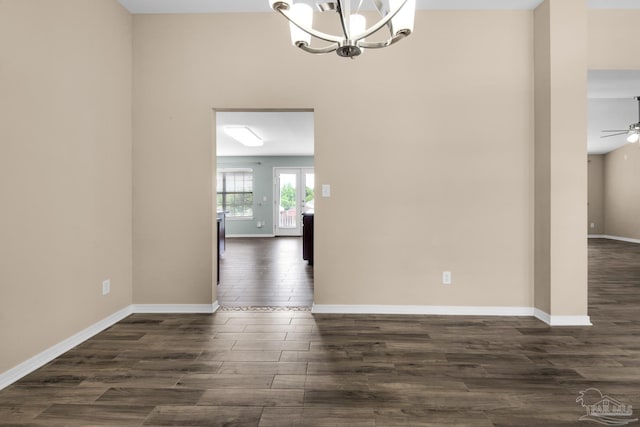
[257, 268]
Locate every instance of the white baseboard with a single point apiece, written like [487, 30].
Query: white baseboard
[249, 235]
[542, 315]
[452, 311]
[608, 236]
[14, 374]
[175, 308]
[25, 368]
[446, 310]
[556, 320]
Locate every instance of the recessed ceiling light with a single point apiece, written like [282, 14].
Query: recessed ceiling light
[243, 135]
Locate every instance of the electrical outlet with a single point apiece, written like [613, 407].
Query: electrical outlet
[446, 277]
[593, 225]
[106, 286]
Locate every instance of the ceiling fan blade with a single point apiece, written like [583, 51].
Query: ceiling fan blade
[614, 134]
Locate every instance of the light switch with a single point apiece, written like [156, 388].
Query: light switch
[326, 190]
[446, 277]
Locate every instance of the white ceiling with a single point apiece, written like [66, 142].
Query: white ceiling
[284, 133]
[227, 6]
[612, 105]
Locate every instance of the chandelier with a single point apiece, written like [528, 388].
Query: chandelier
[396, 15]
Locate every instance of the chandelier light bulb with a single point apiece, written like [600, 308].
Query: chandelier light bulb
[358, 24]
[302, 14]
[634, 137]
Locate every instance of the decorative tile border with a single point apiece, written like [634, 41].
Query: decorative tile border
[262, 309]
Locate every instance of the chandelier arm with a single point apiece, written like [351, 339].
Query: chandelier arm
[380, 8]
[317, 50]
[317, 34]
[381, 23]
[345, 13]
[378, 45]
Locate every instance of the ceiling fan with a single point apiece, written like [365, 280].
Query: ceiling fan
[633, 131]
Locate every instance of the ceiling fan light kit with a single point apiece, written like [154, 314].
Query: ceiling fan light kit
[633, 132]
[396, 15]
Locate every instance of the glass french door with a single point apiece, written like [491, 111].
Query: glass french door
[294, 195]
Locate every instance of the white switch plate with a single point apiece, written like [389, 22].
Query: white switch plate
[106, 286]
[446, 277]
[326, 190]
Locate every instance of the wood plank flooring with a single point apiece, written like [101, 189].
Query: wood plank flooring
[293, 368]
[265, 272]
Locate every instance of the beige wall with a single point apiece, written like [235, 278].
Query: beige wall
[542, 158]
[622, 192]
[613, 39]
[568, 157]
[65, 169]
[425, 144]
[560, 154]
[596, 194]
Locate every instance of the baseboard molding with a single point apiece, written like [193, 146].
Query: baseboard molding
[445, 310]
[608, 236]
[542, 315]
[555, 320]
[175, 308]
[452, 311]
[236, 236]
[25, 368]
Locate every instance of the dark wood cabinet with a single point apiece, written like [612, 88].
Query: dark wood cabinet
[307, 237]
[220, 224]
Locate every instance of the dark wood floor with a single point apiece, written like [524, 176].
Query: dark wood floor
[265, 272]
[294, 368]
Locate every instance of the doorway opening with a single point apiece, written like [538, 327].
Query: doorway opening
[613, 162]
[263, 187]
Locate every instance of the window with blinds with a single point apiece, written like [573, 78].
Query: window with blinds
[235, 192]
